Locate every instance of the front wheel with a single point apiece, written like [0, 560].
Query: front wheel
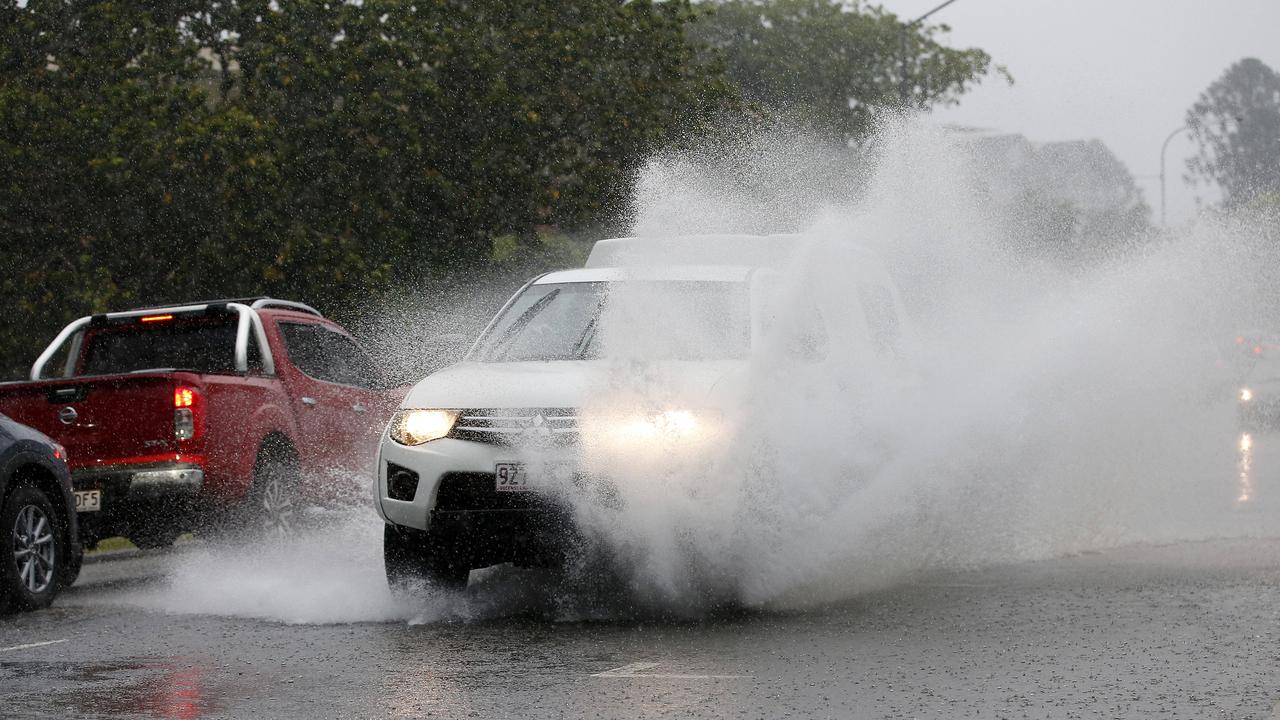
[34, 551]
[415, 560]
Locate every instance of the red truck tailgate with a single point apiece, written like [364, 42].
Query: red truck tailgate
[103, 420]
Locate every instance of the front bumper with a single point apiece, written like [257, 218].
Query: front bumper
[138, 499]
[457, 476]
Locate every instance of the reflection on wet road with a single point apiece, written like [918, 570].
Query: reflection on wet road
[1257, 471]
[1245, 464]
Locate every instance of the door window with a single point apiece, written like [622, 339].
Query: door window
[327, 355]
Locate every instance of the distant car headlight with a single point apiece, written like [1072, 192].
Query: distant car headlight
[1246, 395]
[415, 426]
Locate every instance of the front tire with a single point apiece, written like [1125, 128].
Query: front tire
[34, 552]
[415, 560]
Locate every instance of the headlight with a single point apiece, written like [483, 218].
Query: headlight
[414, 427]
[668, 424]
[1246, 394]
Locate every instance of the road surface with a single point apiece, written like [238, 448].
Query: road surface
[1177, 631]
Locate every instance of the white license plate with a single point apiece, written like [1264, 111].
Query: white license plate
[510, 477]
[89, 501]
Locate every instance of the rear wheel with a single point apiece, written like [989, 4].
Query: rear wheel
[270, 507]
[33, 551]
[274, 500]
[416, 560]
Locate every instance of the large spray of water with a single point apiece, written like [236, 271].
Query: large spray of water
[1033, 410]
[1038, 411]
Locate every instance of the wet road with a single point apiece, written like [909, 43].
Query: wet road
[1187, 630]
[307, 629]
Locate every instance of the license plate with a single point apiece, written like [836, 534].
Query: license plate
[510, 477]
[89, 501]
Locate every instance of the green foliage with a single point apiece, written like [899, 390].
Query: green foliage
[165, 151]
[158, 151]
[835, 64]
[1236, 123]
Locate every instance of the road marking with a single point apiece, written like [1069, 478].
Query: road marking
[640, 670]
[28, 646]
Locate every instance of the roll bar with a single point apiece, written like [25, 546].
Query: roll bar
[248, 321]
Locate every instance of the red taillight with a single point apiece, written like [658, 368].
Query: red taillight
[156, 318]
[184, 397]
[1257, 349]
[184, 416]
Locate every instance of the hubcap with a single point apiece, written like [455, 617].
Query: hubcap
[33, 549]
[277, 504]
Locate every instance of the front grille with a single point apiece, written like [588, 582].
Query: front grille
[554, 427]
[477, 491]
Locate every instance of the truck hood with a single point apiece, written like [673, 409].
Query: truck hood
[573, 384]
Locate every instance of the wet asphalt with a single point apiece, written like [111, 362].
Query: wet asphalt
[1178, 631]
[1181, 630]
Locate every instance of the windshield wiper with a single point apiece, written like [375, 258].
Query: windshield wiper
[589, 333]
[520, 323]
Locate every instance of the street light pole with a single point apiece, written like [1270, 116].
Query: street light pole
[1163, 216]
[904, 84]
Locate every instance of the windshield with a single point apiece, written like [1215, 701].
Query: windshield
[697, 320]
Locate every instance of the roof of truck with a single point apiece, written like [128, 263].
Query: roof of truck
[741, 250]
[257, 303]
[676, 273]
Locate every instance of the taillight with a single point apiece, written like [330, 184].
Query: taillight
[184, 416]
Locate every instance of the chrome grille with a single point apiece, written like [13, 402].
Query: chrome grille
[543, 426]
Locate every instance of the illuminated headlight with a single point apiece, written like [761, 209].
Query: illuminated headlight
[665, 425]
[414, 427]
[1246, 395]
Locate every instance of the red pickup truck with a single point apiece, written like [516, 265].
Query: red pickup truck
[228, 409]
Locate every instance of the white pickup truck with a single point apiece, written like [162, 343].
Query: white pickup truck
[648, 346]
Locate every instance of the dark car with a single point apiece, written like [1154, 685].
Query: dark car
[40, 551]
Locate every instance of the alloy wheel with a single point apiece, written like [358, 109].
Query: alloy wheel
[277, 504]
[34, 550]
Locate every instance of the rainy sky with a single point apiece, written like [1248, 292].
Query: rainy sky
[1122, 71]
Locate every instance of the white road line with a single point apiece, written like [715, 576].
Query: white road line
[638, 670]
[28, 646]
[627, 670]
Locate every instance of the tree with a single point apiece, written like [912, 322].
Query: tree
[833, 63]
[1236, 123]
[164, 150]
[1072, 200]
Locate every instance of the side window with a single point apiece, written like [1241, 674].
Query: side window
[348, 363]
[882, 318]
[326, 355]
